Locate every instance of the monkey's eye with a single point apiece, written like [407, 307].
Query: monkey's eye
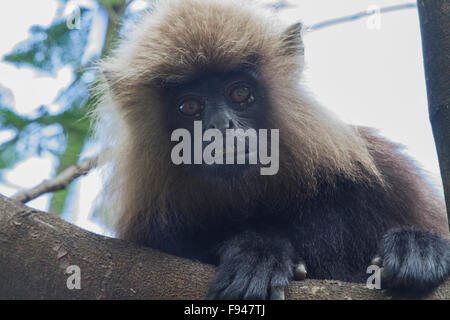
[190, 107]
[240, 94]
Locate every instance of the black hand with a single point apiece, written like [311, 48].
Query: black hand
[253, 266]
[413, 259]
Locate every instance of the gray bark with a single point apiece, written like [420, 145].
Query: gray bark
[435, 28]
[36, 248]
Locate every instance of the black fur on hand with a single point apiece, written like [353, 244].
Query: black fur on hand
[414, 260]
[253, 266]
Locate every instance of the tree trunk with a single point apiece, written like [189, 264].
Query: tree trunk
[435, 28]
[36, 248]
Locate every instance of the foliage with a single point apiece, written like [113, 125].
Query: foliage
[65, 132]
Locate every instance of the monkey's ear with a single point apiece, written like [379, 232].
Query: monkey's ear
[291, 40]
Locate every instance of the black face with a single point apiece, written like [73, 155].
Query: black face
[221, 101]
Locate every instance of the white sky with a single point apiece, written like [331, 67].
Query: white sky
[371, 77]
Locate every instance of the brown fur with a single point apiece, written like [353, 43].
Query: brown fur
[183, 38]
[408, 189]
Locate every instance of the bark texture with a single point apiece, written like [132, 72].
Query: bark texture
[36, 248]
[435, 28]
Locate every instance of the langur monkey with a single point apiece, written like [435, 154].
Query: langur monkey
[342, 194]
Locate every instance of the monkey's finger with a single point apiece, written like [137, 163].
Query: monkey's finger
[300, 272]
[377, 260]
[277, 293]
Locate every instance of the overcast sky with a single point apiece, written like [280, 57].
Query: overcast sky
[368, 76]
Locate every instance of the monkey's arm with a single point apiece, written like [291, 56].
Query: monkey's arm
[253, 265]
[414, 258]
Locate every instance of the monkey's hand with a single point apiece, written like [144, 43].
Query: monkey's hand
[413, 260]
[253, 266]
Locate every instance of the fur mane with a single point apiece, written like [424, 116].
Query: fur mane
[176, 41]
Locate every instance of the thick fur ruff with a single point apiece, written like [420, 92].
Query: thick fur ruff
[339, 187]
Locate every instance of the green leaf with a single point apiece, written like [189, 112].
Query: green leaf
[49, 49]
[9, 119]
[8, 155]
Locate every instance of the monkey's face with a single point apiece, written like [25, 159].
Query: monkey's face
[217, 68]
[228, 103]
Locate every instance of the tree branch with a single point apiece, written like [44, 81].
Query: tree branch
[36, 248]
[435, 29]
[60, 182]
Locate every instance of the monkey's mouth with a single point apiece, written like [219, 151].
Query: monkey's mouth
[233, 153]
[229, 169]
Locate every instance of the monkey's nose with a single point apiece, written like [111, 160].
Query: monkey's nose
[220, 121]
[227, 125]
